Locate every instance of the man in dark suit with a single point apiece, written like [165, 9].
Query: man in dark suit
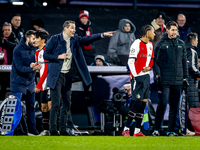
[66, 65]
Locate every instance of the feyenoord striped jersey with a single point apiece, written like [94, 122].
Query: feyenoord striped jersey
[141, 55]
[43, 71]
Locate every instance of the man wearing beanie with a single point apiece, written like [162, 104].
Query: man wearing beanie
[83, 29]
[159, 26]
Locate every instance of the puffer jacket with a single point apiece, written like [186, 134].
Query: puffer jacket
[170, 61]
[194, 73]
[120, 43]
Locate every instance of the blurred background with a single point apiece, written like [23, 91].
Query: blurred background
[103, 14]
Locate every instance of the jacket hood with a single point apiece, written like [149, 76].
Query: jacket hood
[188, 45]
[122, 23]
[155, 25]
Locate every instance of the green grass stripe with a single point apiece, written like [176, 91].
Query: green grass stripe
[98, 142]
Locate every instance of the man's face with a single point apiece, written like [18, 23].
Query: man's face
[195, 42]
[181, 20]
[127, 27]
[16, 21]
[70, 31]
[151, 34]
[99, 62]
[39, 42]
[31, 40]
[84, 20]
[128, 88]
[6, 31]
[199, 62]
[172, 32]
[160, 21]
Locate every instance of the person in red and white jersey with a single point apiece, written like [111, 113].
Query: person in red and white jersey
[41, 39]
[140, 63]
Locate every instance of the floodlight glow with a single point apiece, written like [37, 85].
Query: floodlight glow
[18, 3]
[44, 4]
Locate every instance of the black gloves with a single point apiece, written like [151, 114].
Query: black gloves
[185, 84]
[158, 82]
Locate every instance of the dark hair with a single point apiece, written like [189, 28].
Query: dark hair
[146, 28]
[42, 34]
[6, 24]
[171, 23]
[29, 33]
[67, 23]
[199, 57]
[38, 21]
[191, 37]
[18, 15]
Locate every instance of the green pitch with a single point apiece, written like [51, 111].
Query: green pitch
[98, 142]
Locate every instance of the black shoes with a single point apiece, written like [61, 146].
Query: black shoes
[54, 133]
[64, 133]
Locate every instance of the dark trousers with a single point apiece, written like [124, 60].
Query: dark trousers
[62, 91]
[30, 110]
[171, 93]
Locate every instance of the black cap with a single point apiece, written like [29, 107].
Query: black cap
[160, 15]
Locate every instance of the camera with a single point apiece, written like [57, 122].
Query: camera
[120, 95]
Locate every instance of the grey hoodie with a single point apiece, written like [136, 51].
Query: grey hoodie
[120, 43]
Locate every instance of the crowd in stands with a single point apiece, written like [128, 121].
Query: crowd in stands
[118, 52]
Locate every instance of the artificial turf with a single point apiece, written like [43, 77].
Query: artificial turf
[98, 142]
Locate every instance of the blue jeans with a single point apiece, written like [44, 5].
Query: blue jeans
[30, 110]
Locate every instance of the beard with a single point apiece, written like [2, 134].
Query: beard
[31, 44]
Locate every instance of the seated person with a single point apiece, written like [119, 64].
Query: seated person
[99, 60]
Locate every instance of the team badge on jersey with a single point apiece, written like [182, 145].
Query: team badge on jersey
[150, 47]
[138, 96]
[132, 50]
[40, 56]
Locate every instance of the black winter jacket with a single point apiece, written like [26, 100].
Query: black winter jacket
[194, 73]
[89, 49]
[9, 45]
[170, 61]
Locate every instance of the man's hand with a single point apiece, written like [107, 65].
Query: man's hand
[63, 56]
[145, 69]
[32, 65]
[37, 90]
[37, 67]
[109, 34]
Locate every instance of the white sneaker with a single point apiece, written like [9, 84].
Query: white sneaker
[189, 133]
[156, 133]
[45, 133]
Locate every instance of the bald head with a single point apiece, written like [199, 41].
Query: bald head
[181, 20]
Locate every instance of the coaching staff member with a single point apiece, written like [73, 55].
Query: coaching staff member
[22, 76]
[66, 65]
[171, 71]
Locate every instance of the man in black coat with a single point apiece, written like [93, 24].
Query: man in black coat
[193, 68]
[16, 26]
[8, 41]
[171, 72]
[66, 65]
